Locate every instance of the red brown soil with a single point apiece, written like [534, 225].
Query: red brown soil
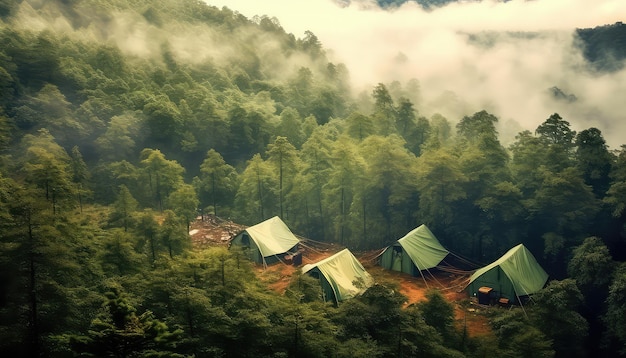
[213, 231]
[451, 286]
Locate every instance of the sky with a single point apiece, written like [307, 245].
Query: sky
[510, 78]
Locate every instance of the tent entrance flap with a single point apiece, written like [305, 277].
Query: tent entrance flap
[416, 251]
[517, 273]
[342, 276]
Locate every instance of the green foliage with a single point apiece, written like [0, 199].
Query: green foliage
[438, 313]
[384, 112]
[503, 201]
[312, 181]
[359, 126]
[46, 165]
[556, 131]
[615, 317]
[305, 288]
[440, 182]
[594, 160]
[551, 205]
[123, 208]
[119, 140]
[528, 155]
[163, 120]
[290, 127]
[591, 265]
[480, 124]
[346, 176]
[604, 46]
[118, 255]
[146, 227]
[255, 198]
[558, 139]
[47, 270]
[109, 144]
[172, 234]
[184, 202]
[388, 191]
[518, 337]
[377, 315]
[163, 176]
[284, 163]
[119, 331]
[555, 314]
[616, 195]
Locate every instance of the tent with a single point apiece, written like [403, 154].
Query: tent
[418, 250]
[341, 276]
[512, 276]
[264, 242]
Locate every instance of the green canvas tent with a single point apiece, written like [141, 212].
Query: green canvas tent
[266, 241]
[341, 276]
[513, 275]
[418, 250]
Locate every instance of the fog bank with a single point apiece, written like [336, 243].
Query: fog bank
[469, 56]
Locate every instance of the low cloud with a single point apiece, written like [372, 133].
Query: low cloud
[499, 56]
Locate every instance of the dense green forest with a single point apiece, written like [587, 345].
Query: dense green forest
[121, 121]
[604, 46]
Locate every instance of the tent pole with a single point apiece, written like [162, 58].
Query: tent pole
[520, 304]
[423, 278]
[435, 278]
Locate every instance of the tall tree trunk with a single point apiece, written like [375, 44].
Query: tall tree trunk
[343, 215]
[190, 322]
[158, 192]
[364, 222]
[320, 207]
[295, 342]
[308, 217]
[33, 319]
[280, 183]
[80, 198]
[213, 194]
[54, 202]
[260, 190]
[152, 249]
[223, 263]
[319, 194]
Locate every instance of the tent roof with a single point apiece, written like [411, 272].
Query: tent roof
[521, 267]
[423, 248]
[342, 270]
[272, 236]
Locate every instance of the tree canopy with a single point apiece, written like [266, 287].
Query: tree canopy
[122, 122]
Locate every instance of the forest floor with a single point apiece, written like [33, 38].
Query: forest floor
[213, 231]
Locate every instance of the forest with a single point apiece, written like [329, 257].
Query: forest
[122, 121]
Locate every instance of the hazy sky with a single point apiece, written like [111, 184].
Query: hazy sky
[510, 78]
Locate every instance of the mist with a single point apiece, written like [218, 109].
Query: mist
[468, 56]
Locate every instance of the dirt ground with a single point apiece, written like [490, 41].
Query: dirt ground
[212, 231]
[452, 287]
